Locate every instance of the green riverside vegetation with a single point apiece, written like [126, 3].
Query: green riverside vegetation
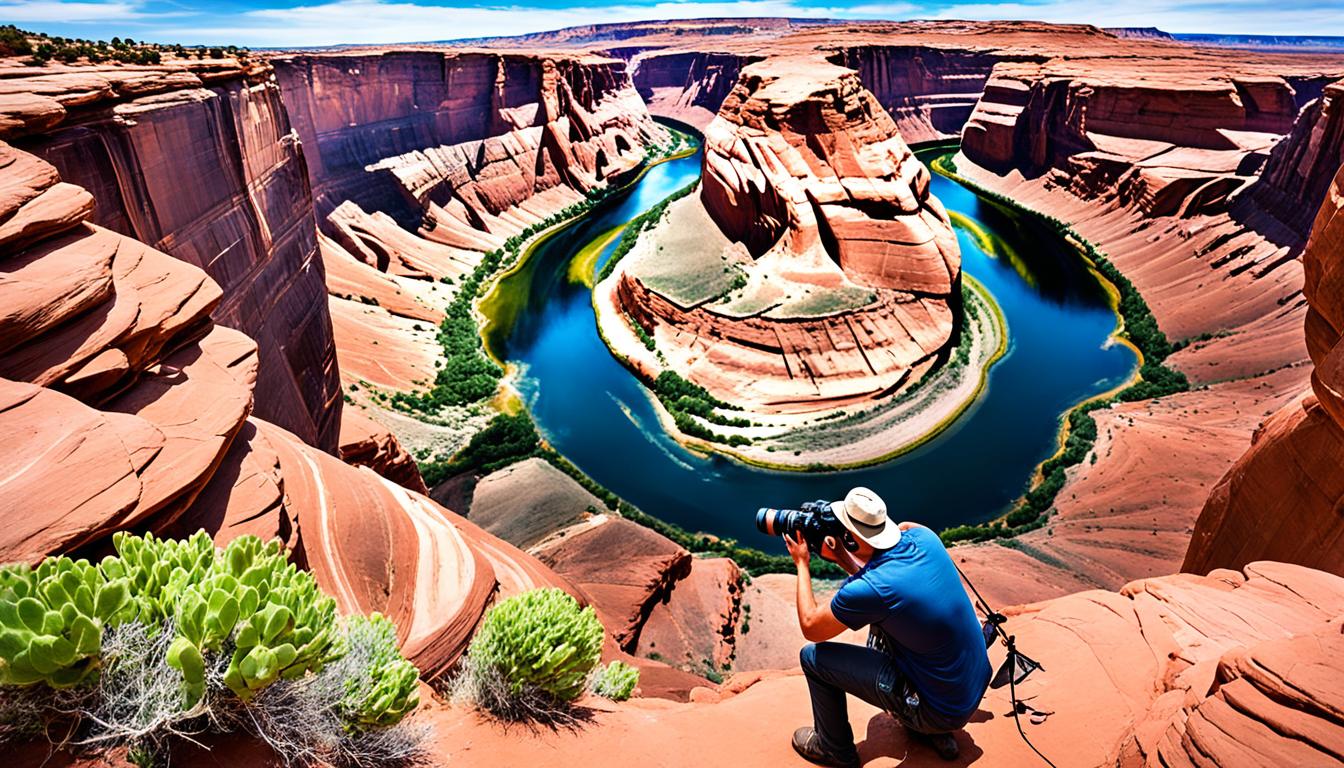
[1155, 379]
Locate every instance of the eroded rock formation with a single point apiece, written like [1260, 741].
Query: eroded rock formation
[125, 407]
[849, 274]
[458, 144]
[1283, 499]
[200, 162]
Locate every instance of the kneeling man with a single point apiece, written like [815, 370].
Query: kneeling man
[925, 662]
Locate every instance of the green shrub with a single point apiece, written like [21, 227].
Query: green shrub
[616, 681]
[52, 619]
[164, 637]
[384, 688]
[532, 656]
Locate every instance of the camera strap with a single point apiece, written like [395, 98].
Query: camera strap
[1015, 667]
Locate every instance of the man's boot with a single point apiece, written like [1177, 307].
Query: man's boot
[945, 744]
[807, 743]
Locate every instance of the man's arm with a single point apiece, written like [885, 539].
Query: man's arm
[817, 622]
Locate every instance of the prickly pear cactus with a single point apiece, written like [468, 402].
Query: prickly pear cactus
[52, 620]
[540, 639]
[386, 687]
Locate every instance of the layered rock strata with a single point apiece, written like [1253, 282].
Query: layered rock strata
[687, 85]
[1197, 201]
[199, 161]
[457, 144]
[1283, 499]
[126, 408]
[843, 276]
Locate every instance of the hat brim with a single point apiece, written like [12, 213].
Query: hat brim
[882, 536]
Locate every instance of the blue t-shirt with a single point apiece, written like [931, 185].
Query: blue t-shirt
[912, 592]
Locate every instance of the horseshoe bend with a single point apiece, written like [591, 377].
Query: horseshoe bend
[363, 401]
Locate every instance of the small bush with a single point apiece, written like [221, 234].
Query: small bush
[173, 638]
[616, 681]
[531, 657]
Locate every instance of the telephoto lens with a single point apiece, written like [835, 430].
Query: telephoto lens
[776, 522]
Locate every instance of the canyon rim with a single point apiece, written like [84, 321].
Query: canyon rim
[530, 325]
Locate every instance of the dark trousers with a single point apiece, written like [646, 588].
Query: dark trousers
[836, 669]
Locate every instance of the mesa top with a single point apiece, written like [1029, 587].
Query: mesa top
[913, 593]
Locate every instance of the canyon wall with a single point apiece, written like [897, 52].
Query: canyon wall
[126, 407]
[1188, 169]
[200, 162]
[688, 85]
[457, 144]
[930, 91]
[1283, 499]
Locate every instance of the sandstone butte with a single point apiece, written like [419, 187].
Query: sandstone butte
[128, 401]
[849, 288]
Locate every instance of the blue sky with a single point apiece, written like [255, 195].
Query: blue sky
[261, 23]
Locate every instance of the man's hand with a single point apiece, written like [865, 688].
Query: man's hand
[797, 546]
[817, 622]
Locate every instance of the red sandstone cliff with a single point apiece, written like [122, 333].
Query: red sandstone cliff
[200, 161]
[125, 407]
[458, 144]
[1283, 499]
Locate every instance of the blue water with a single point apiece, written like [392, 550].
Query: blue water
[599, 416]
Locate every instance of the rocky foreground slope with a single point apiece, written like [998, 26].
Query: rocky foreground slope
[1227, 669]
[126, 407]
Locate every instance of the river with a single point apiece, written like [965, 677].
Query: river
[598, 415]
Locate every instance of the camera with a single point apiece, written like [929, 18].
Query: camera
[814, 520]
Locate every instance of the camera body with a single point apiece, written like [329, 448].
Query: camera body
[814, 520]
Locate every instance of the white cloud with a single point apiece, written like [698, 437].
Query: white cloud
[384, 21]
[58, 11]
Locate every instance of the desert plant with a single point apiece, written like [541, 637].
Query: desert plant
[170, 638]
[532, 656]
[615, 681]
[51, 621]
[383, 686]
[351, 713]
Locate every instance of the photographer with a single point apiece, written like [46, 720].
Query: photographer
[925, 662]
